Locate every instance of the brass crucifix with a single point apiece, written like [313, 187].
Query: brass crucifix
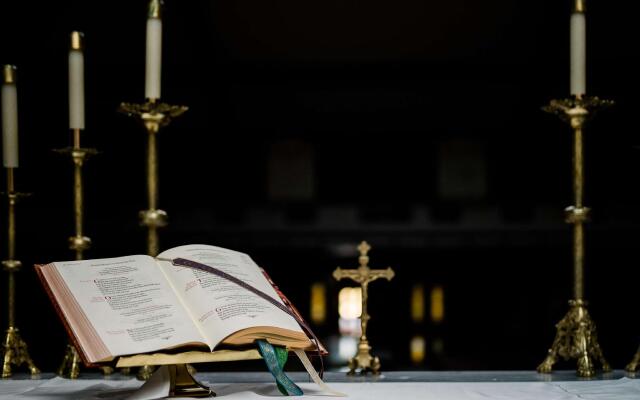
[364, 275]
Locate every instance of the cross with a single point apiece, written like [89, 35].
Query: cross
[364, 275]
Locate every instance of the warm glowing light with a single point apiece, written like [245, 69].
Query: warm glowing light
[350, 302]
[347, 347]
[417, 349]
[318, 303]
[417, 303]
[437, 304]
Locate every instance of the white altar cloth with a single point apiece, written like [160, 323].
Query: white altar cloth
[105, 389]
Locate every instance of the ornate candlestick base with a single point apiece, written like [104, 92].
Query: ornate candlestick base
[576, 337]
[70, 367]
[363, 360]
[16, 353]
[145, 372]
[635, 362]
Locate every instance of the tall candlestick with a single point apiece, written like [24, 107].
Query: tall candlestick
[154, 51]
[9, 118]
[576, 335]
[76, 82]
[15, 351]
[578, 49]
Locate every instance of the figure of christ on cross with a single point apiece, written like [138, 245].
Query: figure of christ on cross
[364, 275]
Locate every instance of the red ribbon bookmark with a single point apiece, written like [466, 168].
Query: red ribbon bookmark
[215, 271]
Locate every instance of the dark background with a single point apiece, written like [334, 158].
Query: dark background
[415, 125]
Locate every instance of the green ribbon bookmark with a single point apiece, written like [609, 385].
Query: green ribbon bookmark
[276, 358]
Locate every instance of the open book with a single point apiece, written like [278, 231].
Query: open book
[130, 305]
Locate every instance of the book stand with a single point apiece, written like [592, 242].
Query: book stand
[181, 382]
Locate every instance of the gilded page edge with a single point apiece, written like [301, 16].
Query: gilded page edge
[190, 357]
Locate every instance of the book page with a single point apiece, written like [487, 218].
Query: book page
[130, 304]
[221, 307]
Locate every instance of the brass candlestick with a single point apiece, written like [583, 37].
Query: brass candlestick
[363, 275]
[635, 362]
[576, 335]
[79, 243]
[154, 116]
[15, 348]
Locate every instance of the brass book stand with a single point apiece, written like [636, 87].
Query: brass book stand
[181, 381]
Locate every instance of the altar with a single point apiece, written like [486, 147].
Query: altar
[440, 385]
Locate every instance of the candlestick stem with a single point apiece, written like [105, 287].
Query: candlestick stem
[15, 348]
[11, 234]
[78, 243]
[76, 139]
[152, 169]
[578, 223]
[152, 188]
[11, 292]
[78, 160]
[576, 335]
[153, 115]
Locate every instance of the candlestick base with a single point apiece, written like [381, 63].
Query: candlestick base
[635, 362]
[70, 367]
[363, 360]
[144, 373]
[576, 337]
[16, 353]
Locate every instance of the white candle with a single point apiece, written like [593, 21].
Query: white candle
[154, 52]
[76, 82]
[9, 118]
[578, 54]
